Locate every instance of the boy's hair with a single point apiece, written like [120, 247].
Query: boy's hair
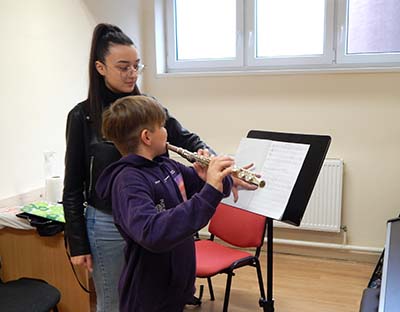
[125, 119]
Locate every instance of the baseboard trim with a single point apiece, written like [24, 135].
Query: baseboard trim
[328, 245]
[327, 250]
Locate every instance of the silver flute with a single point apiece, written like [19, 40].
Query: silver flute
[240, 173]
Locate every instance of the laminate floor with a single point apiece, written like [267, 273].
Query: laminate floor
[301, 284]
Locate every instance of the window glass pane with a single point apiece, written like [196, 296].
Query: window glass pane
[205, 29]
[290, 27]
[373, 26]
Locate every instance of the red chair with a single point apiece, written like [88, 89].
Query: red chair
[238, 228]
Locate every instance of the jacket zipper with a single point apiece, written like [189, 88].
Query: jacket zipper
[91, 174]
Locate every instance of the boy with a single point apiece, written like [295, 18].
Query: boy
[158, 204]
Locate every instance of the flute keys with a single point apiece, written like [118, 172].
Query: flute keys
[240, 173]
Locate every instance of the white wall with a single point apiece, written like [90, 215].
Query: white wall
[44, 59]
[126, 14]
[360, 111]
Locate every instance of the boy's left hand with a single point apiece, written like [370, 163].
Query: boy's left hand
[201, 170]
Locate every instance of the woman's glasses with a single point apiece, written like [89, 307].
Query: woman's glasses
[127, 70]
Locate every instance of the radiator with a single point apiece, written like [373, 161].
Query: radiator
[323, 212]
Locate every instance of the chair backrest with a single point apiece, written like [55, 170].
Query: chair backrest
[28, 294]
[238, 227]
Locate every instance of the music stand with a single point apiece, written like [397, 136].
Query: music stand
[300, 194]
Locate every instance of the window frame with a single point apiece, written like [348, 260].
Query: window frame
[333, 57]
[369, 59]
[204, 64]
[326, 58]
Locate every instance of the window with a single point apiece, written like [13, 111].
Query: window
[199, 38]
[369, 32]
[193, 20]
[295, 34]
[289, 33]
[218, 35]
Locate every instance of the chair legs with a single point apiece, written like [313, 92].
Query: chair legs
[227, 291]
[229, 283]
[210, 288]
[260, 279]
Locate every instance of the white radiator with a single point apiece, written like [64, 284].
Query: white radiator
[323, 212]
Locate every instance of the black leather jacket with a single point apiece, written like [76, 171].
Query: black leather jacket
[85, 158]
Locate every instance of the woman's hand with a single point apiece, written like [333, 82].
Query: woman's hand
[238, 183]
[84, 261]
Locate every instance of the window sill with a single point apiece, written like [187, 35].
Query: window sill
[267, 72]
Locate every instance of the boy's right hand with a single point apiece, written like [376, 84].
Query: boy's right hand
[218, 168]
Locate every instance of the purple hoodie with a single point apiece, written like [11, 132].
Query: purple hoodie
[157, 223]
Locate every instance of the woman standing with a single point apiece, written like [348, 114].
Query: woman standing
[93, 239]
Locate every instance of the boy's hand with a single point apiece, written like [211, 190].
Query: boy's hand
[201, 170]
[237, 183]
[218, 168]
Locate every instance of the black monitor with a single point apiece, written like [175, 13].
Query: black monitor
[389, 299]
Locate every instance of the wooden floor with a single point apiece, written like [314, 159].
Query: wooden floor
[301, 284]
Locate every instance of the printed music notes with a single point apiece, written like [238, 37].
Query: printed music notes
[279, 164]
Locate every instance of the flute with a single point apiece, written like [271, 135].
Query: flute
[240, 173]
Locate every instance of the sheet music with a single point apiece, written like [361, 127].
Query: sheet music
[279, 164]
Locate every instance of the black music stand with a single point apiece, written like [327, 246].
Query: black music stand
[300, 195]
